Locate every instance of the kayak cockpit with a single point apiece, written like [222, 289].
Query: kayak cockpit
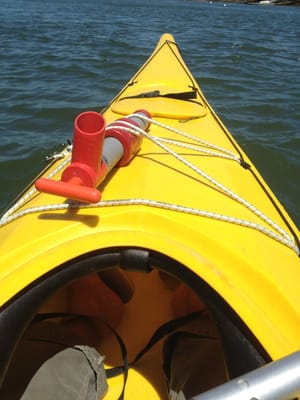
[190, 339]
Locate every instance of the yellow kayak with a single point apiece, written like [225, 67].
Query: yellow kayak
[155, 213]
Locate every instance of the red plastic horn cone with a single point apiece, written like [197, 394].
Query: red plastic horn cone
[86, 170]
[89, 130]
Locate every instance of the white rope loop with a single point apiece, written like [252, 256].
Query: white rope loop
[200, 150]
[188, 136]
[155, 204]
[281, 236]
[214, 182]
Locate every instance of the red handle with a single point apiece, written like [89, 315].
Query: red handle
[70, 190]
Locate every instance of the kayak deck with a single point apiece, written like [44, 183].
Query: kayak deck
[193, 206]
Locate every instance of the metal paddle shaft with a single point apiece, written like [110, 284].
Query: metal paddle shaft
[279, 380]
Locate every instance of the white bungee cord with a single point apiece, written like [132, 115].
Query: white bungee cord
[220, 186]
[280, 235]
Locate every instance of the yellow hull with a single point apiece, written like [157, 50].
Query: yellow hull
[213, 216]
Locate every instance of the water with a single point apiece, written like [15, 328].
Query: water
[59, 58]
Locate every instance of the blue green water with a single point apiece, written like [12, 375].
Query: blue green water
[59, 58]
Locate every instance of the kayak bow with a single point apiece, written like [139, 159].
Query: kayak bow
[180, 202]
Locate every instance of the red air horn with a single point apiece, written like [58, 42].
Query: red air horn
[95, 152]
